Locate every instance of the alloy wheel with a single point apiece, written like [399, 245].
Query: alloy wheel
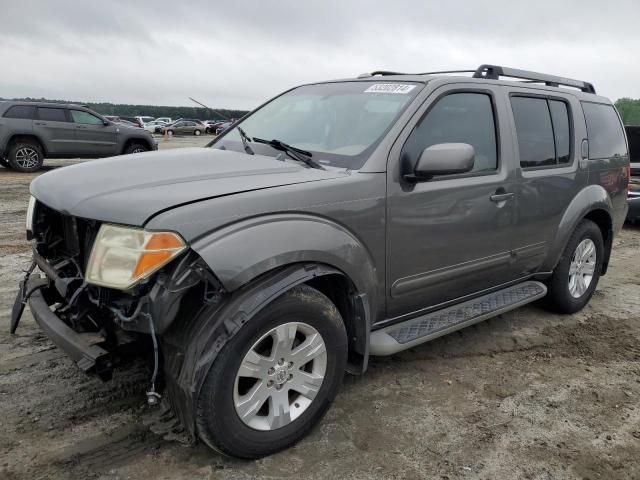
[280, 376]
[27, 157]
[582, 268]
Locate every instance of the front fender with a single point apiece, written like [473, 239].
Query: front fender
[245, 250]
[191, 348]
[593, 197]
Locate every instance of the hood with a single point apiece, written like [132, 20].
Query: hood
[131, 188]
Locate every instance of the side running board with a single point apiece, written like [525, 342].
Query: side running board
[410, 333]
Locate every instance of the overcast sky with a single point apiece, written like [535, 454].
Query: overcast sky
[237, 53]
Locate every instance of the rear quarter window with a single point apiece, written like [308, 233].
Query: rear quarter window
[25, 112]
[606, 137]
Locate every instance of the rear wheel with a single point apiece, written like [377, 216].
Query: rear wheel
[276, 378]
[197, 133]
[26, 157]
[576, 276]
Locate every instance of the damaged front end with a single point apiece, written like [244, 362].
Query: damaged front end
[99, 325]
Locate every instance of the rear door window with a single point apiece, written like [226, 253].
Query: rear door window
[606, 137]
[561, 130]
[543, 130]
[85, 118]
[52, 114]
[534, 131]
[25, 112]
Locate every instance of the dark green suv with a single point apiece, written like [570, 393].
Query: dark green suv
[31, 132]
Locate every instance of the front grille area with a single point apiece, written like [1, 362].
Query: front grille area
[62, 237]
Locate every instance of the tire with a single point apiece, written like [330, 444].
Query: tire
[218, 422]
[4, 163]
[565, 295]
[26, 157]
[136, 148]
[170, 133]
[197, 133]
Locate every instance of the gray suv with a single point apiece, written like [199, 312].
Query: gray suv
[337, 221]
[31, 132]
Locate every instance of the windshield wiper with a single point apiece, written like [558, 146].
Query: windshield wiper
[295, 153]
[245, 141]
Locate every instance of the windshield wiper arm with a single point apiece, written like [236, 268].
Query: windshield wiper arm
[295, 153]
[245, 141]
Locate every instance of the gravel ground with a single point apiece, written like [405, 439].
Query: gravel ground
[527, 395]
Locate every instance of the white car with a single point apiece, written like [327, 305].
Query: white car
[144, 119]
[164, 119]
[153, 125]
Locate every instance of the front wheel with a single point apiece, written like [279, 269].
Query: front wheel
[576, 276]
[276, 378]
[136, 148]
[197, 133]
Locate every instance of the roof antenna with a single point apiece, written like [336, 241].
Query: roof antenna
[208, 108]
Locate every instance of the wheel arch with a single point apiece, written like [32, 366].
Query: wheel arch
[131, 141]
[196, 345]
[591, 203]
[25, 137]
[244, 250]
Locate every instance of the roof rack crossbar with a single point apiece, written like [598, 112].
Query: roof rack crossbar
[386, 73]
[494, 72]
[446, 71]
[381, 73]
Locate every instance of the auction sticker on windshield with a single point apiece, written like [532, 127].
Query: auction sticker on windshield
[389, 88]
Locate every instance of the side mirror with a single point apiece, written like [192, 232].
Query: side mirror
[443, 159]
[106, 123]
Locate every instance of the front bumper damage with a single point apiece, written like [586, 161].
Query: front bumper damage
[81, 348]
[93, 325]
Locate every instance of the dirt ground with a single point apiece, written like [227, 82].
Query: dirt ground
[527, 395]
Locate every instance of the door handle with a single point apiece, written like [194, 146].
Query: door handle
[80, 127]
[40, 123]
[501, 197]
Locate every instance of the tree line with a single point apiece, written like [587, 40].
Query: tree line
[629, 109]
[155, 111]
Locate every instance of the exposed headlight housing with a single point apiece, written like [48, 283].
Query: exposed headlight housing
[123, 256]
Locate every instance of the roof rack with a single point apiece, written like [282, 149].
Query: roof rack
[494, 72]
[386, 73]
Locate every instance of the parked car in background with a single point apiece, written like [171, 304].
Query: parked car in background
[31, 132]
[210, 125]
[126, 123]
[184, 127]
[134, 120]
[155, 126]
[633, 136]
[374, 215]
[222, 127]
[164, 119]
[144, 120]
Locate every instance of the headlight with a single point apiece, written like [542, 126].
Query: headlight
[29, 218]
[122, 256]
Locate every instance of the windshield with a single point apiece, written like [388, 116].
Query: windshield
[338, 123]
